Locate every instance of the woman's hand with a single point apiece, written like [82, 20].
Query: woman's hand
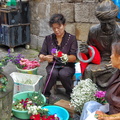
[48, 58]
[101, 115]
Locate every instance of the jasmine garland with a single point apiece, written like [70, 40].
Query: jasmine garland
[60, 54]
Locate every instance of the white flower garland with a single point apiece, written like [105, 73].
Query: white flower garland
[64, 58]
[82, 93]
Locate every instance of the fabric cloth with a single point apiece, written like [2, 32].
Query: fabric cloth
[64, 74]
[96, 59]
[113, 93]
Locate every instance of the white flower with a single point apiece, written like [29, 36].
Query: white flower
[35, 97]
[82, 93]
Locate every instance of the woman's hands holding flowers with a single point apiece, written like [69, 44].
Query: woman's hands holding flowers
[59, 54]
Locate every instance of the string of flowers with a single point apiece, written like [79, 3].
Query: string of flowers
[60, 54]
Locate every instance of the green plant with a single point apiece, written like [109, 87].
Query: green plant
[3, 83]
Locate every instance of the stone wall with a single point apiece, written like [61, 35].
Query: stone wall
[78, 13]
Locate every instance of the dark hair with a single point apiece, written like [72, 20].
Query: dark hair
[116, 47]
[57, 18]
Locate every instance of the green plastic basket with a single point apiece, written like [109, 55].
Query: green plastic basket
[23, 95]
[31, 71]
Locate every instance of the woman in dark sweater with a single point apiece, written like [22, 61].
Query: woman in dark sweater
[67, 44]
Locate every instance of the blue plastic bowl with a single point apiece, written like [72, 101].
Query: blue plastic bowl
[23, 95]
[61, 112]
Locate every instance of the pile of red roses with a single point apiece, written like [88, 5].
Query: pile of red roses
[38, 117]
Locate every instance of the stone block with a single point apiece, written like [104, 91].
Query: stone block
[41, 11]
[33, 7]
[67, 9]
[89, 0]
[44, 27]
[60, 1]
[54, 8]
[82, 12]
[78, 1]
[34, 42]
[40, 42]
[34, 28]
[82, 30]
[93, 18]
[70, 28]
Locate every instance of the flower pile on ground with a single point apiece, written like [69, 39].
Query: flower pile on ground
[82, 93]
[23, 63]
[63, 57]
[100, 96]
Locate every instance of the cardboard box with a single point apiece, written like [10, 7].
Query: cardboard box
[26, 82]
[66, 104]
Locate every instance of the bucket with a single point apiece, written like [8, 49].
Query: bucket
[31, 71]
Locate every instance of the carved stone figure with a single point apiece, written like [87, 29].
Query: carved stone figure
[102, 36]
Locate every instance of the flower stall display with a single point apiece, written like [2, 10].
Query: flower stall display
[23, 100]
[63, 57]
[100, 96]
[82, 93]
[22, 64]
[38, 113]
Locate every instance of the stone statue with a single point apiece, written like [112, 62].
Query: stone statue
[102, 36]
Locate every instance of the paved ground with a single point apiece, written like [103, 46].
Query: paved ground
[32, 54]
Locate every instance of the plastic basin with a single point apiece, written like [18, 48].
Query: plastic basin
[23, 95]
[61, 112]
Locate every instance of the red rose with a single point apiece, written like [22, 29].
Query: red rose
[35, 117]
[59, 54]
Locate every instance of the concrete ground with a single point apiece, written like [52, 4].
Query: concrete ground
[32, 54]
